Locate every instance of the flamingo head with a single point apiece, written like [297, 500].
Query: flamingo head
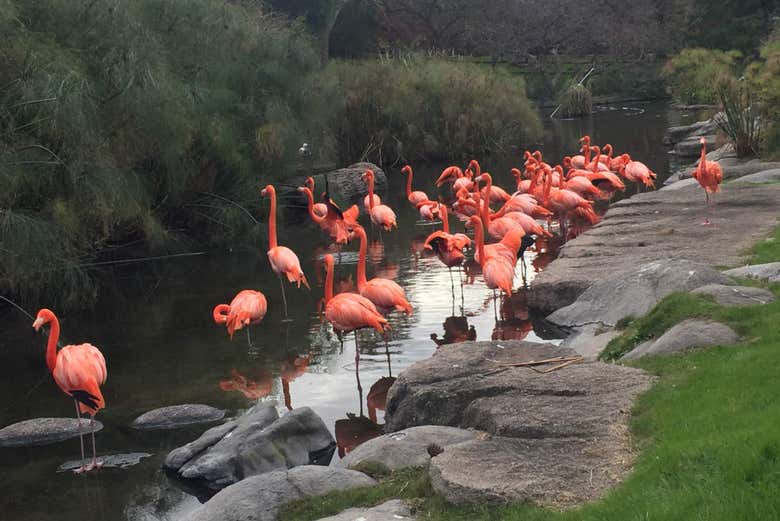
[474, 167]
[567, 162]
[368, 175]
[309, 183]
[703, 140]
[537, 155]
[517, 174]
[267, 190]
[44, 317]
[303, 189]
[406, 170]
[585, 140]
[595, 149]
[328, 260]
[220, 313]
[559, 169]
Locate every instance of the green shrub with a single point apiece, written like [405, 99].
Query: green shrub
[764, 77]
[575, 101]
[741, 118]
[419, 107]
[692, 74]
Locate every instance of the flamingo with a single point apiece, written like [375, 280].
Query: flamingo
[498, 264]
[283, 260]
[607, 182]
[492, 194]
[448, 247]
[79, 370]
[385, 294]
[580, 161]
[319, 209]
[709, 174]
[565, 202]
[349, 312]
[579, 184]
[381, 215]
[639, 173]
[414, 197]
[247, 307]
[454, 175]
[333, 223]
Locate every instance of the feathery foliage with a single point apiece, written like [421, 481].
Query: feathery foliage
[691, 75]
[575, 101]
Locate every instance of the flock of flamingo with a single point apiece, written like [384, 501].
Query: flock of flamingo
[564, 193]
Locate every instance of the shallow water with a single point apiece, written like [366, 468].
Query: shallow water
[163, 349]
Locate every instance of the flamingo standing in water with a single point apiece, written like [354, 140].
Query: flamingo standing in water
[349, 312]
[415, 197]
[283, 260]
[448, 247]
[385, 294]
[247, 307]
[318, 209]
[334, 223]
[454, 175]
[79, 370]
[498, 261]
[709, 174]
[381, 214]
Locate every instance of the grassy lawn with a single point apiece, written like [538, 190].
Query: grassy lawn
[709, 432]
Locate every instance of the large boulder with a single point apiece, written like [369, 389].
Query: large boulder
[633, 293]
[345, 185]
[769, 272]
[393, 510]
[590, 340]
[735, 295]
[258, 442]
[563, 423]
[43, 431]
[765, 176]
[259, 498]
[405, 448]
[685, 336]
[690, 147]
[176, 416]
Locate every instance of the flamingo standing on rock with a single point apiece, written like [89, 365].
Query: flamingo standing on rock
[247, 307]
[709, 174]
[283, 260]
[381, 214]
[349, 312]
[79, 370]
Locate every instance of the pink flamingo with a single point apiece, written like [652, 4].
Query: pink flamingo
[247, 307]
[498, 265]
[319, 209]
[79, 370]
[492, 194]
[385, 294]
[349, 312]
[454, 175]
[283, 260]
[709, 174]
[333, 223]
[638, 172]
[381, 215]
[414, 197]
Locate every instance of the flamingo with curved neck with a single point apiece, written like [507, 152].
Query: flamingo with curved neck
[319, 209]
[384, 293]
[79, 371]
[247, 307]
[414, 197]
[381, 214]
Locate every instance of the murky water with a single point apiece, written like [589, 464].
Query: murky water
[163, 349]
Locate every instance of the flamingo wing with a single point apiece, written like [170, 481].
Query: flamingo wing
[386, 295]
[80, 371]
[285, 262]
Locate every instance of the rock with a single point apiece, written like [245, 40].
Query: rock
[769, 272]
[546, 427]
[259, 498]
[392, 510]
[588, 341]
[345, 185]
[108, 461]
[735, 295]
[177, 416]
[633, 293]
[765, 176]
[405, 448]
[43, 431]
[691, 147]
[662, 225]
[259, 442]
[677, 185]
[677, 134]
[685, 336]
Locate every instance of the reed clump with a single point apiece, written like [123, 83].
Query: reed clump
[575, 101]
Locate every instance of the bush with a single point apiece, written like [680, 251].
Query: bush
[741, 116]
[114, 116]
[417, 107]
[575, 101]
[691, 75]
[764, 77]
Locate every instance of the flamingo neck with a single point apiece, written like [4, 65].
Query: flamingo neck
[409, 175]
[370, 181]
[445, 220]
[310, 183]
[51, 345]
[221, 313]
[310, 198]
[361, 267]
[547, 185]
[609, 155]
[328, 282]
[479, 237]
[477, 169]
[272, 220]
[586, 151]
[703, 161]
[485, 208]
[596, 161]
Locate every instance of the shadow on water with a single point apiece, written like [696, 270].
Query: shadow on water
[155, 329]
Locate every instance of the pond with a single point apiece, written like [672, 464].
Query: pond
[162, 347]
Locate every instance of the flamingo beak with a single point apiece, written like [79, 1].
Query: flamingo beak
[263, 192]
[38, 324]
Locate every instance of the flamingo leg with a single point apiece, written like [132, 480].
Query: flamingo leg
[248, 337]
[95, 463]
[81, 434]
[462, 298]
[387, 352]
[357, 372]
[284, 297]
[495, 312]
[452, 289]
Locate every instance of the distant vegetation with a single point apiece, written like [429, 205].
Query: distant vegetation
[692, 75]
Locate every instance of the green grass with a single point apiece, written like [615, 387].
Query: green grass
[708, 433]
[767, 250]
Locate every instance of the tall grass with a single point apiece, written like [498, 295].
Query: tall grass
[741, 117]
[418, 107]
[691, 75]
[575, 101]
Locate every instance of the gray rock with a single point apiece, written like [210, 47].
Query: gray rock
[177, 416]
[259, 498]
[691, 147]
[345, 184]
[405, 448]
[392, 510]
[588, 341]
[676, 134]
[684, 336]
[683, 183]
[769, 272]
[635, 292]
[661, 225]
[108, 461]
[43, 431]
[546, 427]
[765, 176]
[735, 295]
[259, 442]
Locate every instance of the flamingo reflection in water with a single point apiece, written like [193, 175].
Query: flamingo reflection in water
[252, 388]
[456, 329]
